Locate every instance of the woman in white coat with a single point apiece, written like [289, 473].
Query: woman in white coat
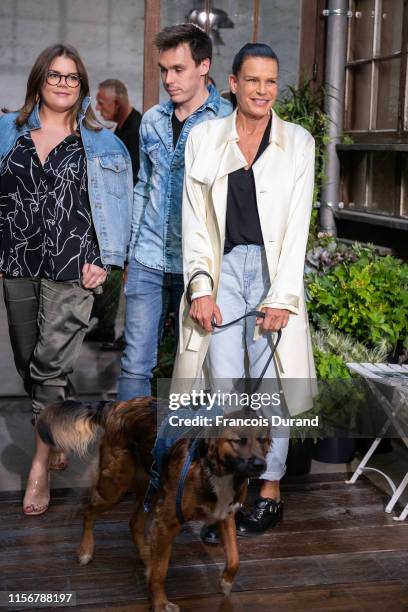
[246, 212]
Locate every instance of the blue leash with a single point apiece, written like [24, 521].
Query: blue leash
[182, 480]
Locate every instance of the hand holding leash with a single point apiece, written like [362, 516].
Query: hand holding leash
[274, 319]
[204, 311]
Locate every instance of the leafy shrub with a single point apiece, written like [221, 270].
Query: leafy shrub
[326, 252]
[365, 295]
[333, 349]
[303, 105]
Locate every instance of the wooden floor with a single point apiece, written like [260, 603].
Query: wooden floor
[336, 550]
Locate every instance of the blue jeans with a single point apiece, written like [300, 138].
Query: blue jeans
[148, 293]
[244, 283]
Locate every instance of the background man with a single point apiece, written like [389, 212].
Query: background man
[155, 269]
[112, 101]
[113, 104]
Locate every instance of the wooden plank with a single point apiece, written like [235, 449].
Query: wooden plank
[127, 585]
[151, 81]
[311, 47]
[188, 549]
[325, 502]
[335, 550]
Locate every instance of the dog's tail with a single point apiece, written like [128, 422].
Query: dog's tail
[72, 425]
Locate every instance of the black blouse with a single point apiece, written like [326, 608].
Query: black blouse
[46, 227]
[242, 219]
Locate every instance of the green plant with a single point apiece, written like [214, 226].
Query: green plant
[333, 349]
[347, 140]
[366, 298]
[303, 105]
[342, 398]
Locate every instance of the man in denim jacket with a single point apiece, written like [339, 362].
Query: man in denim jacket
[155, 276]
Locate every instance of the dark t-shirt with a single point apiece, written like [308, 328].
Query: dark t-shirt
[129, 135]
[242, 218]
[177, 126]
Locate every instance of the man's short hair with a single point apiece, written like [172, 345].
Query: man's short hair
[199, 42]
[119, 88]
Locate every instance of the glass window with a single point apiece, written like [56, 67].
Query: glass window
[373, 180]
[375, 35]
[359, 97]
[391, 26]
[362, 30]
[388, 94]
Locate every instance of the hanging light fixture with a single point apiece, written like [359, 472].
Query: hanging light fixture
[212, 21]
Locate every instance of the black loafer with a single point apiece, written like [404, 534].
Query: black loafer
[209, 534]
[265, 514]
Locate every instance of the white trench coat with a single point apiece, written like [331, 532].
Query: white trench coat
[284, 177]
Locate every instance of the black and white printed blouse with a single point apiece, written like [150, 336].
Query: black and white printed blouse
[46, 228]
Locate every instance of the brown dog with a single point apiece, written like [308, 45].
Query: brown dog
[215, 485]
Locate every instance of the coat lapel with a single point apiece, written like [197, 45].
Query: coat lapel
[270, 171]
[223, 159]
[231, 160]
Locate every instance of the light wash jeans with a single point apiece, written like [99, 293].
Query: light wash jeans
[148, 293]
[244, 282]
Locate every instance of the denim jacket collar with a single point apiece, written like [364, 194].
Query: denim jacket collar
[212, 102]
[34, 123]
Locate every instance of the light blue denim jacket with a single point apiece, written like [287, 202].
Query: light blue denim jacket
[156, 219]
[110, 184]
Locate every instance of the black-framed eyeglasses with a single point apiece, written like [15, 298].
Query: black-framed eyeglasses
[54, 78]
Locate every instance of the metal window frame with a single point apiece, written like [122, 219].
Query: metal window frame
[372, 138]
[402, 120]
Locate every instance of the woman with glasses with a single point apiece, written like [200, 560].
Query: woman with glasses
[65, 208]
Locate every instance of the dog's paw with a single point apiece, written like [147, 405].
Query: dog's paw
[84, 559]
[226, 587]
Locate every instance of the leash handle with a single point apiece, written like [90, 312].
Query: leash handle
[252, 313]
